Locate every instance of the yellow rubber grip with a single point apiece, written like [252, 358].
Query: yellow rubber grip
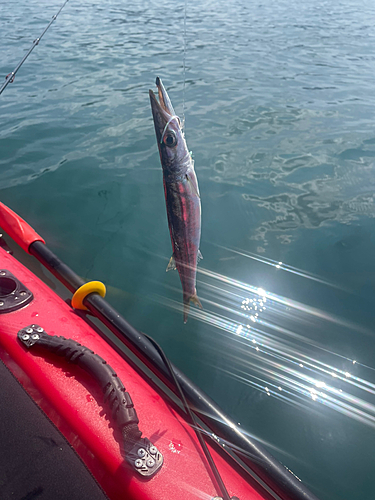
[83, 291]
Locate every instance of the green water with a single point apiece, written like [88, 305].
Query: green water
[279, 108]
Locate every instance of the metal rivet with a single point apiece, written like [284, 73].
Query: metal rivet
[2, 273]
[35, 336]
[141, 452]
[40, 329]
[138, 463]
[25, 337]
[153, 450]
[1, 303]
[150, 462]
[29, 330]
[23, 294]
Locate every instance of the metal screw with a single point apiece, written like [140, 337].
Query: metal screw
[150, 462]
[153, 450]
[40, 329]
[138, 463]
[141, 452]
[35, 336]
[25, 337]
[29, 330]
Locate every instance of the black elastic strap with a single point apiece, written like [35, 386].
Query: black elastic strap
[220, 486]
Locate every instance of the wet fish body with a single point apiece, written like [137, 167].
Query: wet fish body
[181, 194]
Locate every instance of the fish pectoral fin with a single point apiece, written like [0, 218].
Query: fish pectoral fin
[200, 256]
[192, 185]
[171, 264]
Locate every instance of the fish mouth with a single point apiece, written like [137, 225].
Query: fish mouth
[164, 100]
[162, 110]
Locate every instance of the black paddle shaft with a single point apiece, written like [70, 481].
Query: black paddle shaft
[256, 457]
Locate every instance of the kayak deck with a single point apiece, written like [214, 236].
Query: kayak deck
[74, 404]
[31, 446]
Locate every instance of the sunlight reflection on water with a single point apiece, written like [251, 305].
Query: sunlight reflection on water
[284, 363]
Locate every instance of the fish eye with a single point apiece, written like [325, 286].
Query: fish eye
[170, 139]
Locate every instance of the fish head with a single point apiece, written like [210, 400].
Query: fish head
[169, 135]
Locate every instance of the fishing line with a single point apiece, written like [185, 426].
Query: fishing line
[166, 126]
[10, 77]
[184, 69]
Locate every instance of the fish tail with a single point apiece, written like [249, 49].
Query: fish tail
[190, 298]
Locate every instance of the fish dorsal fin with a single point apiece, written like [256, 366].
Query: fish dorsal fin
[171, 264]
[192, 185]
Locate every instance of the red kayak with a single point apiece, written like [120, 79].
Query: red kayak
[134, 439]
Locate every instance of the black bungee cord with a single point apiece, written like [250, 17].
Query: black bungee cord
[193, 423]
[10, 77]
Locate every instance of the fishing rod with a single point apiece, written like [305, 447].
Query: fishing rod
[222, 429]
[10, 77]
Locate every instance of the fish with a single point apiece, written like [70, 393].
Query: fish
[182, 197]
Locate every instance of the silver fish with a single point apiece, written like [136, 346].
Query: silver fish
[181, 194]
